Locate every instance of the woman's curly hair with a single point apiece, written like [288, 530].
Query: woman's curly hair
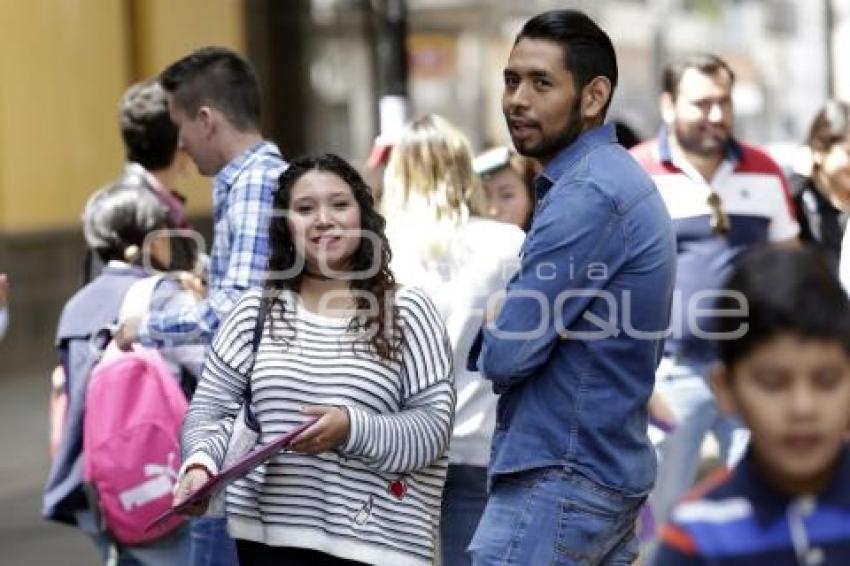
[381, 325]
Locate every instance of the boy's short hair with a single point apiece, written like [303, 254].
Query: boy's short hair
[150, 137]
[785, 291]
[218, 77]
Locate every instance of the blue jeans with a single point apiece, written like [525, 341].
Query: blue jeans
[464, 498]
[553, 516]
[170, 550]
[685, 388]
[211, 545]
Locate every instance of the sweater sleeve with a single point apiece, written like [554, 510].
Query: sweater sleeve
[220, 392]
[419, 433]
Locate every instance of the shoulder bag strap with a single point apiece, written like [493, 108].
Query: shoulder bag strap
[250, 419]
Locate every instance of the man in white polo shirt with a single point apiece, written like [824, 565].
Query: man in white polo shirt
[723, 196]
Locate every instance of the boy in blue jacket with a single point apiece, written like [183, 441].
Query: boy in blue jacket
[784, 342]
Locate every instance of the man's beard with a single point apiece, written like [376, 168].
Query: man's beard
[548, 147]
[697, 143]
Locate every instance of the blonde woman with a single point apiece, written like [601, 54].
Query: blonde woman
[432, 201]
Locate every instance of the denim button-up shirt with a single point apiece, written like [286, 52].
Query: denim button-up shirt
[574, 349]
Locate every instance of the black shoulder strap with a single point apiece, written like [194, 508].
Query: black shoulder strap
[258, 330]
[255, 345]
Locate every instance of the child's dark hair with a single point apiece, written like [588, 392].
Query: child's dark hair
[785, 291]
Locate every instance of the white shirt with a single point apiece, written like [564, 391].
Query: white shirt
[844, 262]
[460, 267]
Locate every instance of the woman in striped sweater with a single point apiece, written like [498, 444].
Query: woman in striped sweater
[344, 343]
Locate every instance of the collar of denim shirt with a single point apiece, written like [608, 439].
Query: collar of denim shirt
[568, 156]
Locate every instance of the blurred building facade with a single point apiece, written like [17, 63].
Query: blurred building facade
[64, 67]
[67, 62]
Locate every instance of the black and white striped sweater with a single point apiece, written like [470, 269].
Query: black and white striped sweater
[376, 499]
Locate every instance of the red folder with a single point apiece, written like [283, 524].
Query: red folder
[235, 471]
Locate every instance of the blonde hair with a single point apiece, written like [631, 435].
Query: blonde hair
[430, 172]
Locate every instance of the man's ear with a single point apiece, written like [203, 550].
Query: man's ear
[667, 106]
[207, 119]
[594, 97]
[722, 387]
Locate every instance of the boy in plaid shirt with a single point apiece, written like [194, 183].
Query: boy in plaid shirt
[214, 99]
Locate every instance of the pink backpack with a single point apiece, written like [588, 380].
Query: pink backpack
[131, 434]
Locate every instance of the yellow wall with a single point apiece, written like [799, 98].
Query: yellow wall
[64, 68]
[166, 30]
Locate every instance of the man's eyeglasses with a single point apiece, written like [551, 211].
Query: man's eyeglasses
[719, 219]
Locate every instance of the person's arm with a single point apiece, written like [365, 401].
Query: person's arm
[419, 434]
[577, 243]
[220, 392]
[192, 325]
[249, 210]
[171, 296]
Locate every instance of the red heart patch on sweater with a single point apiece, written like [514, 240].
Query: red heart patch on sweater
[398, 489]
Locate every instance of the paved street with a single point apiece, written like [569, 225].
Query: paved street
[26, 539]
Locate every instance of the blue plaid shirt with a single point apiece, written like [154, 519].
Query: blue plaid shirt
[243, 195]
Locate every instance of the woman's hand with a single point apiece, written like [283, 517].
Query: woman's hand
[192, 480]
[328, 433]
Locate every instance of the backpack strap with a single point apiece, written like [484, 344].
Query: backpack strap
[251, 419]
[137, 300]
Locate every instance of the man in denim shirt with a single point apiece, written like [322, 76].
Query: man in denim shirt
[574, 349]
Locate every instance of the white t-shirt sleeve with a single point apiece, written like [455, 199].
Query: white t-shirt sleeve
[783, 224]
[844, 262]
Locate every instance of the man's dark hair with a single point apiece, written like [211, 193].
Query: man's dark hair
[150, 137]
[218, 77]
[588, 51]
[705, 63]
[787, 291]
